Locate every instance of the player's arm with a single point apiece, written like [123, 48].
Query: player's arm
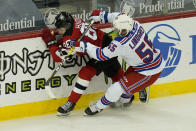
[103, 16]
[48, 36]
[67, 45]
[98, 53]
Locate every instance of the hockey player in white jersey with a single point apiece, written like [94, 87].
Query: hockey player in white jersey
[145, 62]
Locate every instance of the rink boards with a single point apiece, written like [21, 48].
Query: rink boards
[26, 64]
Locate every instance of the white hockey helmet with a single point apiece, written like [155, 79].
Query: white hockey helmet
[123, 22]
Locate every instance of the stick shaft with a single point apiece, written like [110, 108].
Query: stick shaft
[73, 48]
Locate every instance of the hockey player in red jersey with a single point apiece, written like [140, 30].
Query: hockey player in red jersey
[72, 29]
[145, 62]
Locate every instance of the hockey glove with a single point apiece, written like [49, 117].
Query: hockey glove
[80, 46]
[68, 44]
[64, 51]
[95, 16]
[99, 16]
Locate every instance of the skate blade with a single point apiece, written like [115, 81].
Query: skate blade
[84, 114]
[62, 114]
[49, 92]
[87, 115]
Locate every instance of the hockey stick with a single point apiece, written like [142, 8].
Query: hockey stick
[73, 48]
[47, 87]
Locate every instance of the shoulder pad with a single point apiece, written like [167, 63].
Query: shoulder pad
[119, 39]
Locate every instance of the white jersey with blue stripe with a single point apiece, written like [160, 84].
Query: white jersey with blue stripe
[135, 49]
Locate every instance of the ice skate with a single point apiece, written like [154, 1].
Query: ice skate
[66, 109]
[92, 110]
[144, 95]
[123, 102]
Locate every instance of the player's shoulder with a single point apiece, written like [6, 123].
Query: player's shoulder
[122, 39]
[77, 25]
[136, 24]
[119, 39]
[78, 21]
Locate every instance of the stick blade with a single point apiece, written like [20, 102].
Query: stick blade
[49, 92]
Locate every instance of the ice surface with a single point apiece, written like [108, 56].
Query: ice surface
[175, 113]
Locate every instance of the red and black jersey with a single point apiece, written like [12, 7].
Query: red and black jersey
[94, 36]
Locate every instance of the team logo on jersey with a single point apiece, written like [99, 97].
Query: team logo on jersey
[166, 39]
[127, 6]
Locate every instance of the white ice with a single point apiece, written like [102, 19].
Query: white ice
[175, 113]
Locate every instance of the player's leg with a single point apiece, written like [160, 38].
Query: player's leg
[124, 101]
[112, 69]
[116, 73]
[131, 83]
[112, 95]
[137, 83]
[84, 77]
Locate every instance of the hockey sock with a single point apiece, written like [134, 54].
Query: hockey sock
[112, 95]
[78, 90]
[74, 97]
[103, 103]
